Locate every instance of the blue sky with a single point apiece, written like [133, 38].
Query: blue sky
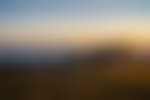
[76, 17]
[22, 9]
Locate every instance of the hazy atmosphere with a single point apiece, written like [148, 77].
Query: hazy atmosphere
[74, 49]
[74, 22]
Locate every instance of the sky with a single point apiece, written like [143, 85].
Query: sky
[74, 22]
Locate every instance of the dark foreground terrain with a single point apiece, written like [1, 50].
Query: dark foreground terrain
[86, 83]
[103, 78]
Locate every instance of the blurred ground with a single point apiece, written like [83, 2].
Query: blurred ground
[125, 81]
